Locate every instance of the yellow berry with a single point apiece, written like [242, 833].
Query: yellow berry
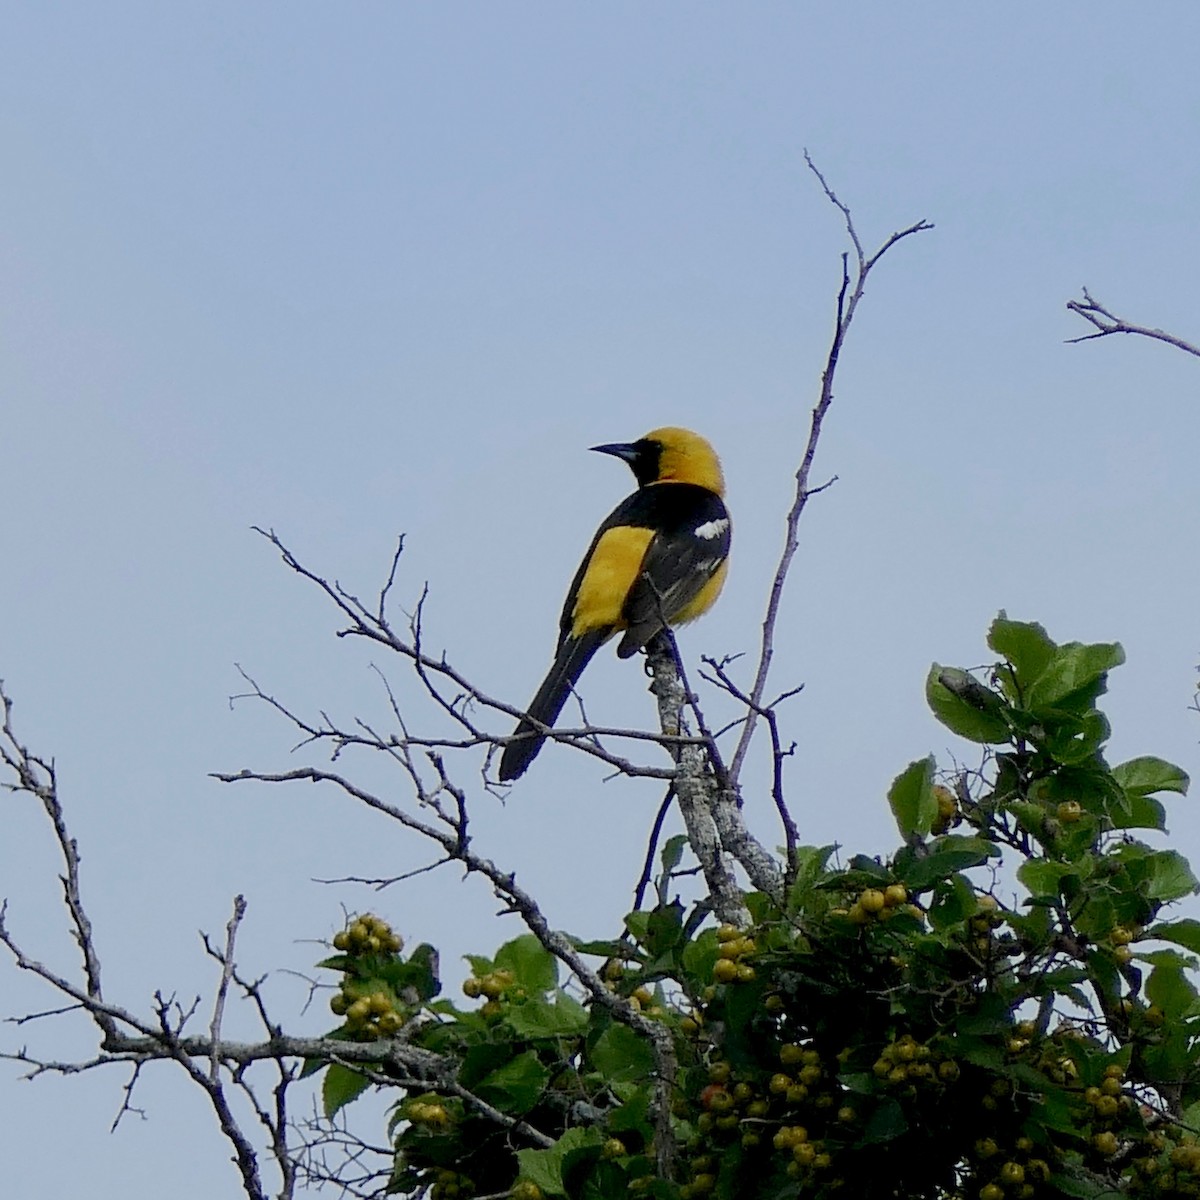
[803, 1153]
[1012, 1173]
[871, 900]
[719, 1071]
[725, 970]
[783, 1139]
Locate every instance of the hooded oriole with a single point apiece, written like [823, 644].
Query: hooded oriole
[658, 559]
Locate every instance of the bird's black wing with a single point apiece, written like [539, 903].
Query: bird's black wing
[692, 539]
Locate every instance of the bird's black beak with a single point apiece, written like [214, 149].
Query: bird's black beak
[629, 451]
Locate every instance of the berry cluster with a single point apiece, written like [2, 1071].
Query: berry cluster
[368, 1005]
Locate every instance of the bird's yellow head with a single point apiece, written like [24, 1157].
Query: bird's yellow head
[671, 455]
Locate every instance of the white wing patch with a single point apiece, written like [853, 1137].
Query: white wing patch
[712, 529]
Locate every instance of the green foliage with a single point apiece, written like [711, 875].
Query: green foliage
[997, 1011]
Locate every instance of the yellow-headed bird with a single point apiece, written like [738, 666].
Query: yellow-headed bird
[658, 559]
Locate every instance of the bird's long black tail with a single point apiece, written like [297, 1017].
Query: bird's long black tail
[573, 656]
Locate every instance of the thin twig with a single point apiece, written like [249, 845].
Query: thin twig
[226, 960]
[849, 295]
[1106, 323]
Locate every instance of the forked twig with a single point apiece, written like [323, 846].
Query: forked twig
[1107, 322]
[849, 295]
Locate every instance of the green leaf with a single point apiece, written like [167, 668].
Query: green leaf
[949, 855]
[604, 948]
[516, 1086]
[1190, 1118]
[965, 706]
[699, 955]
[633, 1115]
[1185, 933]
[1147, 775]
[664, 929]
[1042, 877]
[621, 1055]
[1024, 644]
[993, 1014]
[809, 866]
[419, 972]
[1168, 985]
[1075, 738]
[885, 1123]
[1170, 876]
[479, 965]
[545, 1167]
[539, 1018]
[532, 965]
[1074, 668]
[911, 796]
[953, 901]
[339, 1087]
[672, 853]
[481, 1060]
[1140, 812]
[637, 923]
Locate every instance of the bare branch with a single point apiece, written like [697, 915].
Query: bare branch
[639, 892]
[521, 902]
[849, 295]
[226, 960]
[1106, 322]
[778, 754]
[37, 777]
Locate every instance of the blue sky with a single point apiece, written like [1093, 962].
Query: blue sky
[354, 271]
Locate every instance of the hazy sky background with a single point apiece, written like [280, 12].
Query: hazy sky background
[351, 270]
